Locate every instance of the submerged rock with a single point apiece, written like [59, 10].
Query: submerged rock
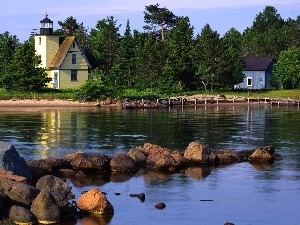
[95, 202]
[160, 205]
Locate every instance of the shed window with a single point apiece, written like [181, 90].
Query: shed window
[73, 58]
[73, 75]
[249, 81]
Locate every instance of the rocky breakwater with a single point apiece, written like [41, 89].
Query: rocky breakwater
[37, 192]
[46, 200]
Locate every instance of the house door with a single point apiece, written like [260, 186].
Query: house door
[55, 84]
[261, 83]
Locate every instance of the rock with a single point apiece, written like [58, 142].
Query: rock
[43, 167]
[67, 210]
[122, 162]
[45, 208]
[95, 202]
[227, 156]
[197, 153]
[53, 183]
[89, 161]
[161, 161]
[138, 156]
[21, 215]
[60, 191]
[21, 194]
[11, 176]
[3, 203]
[10, 160]
[179, 159]
[149, 149]
[160, 205]
[265, 154]
[140, 196]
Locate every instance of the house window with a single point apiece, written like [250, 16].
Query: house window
[40, 40]
[73, 44]
[73, 75]
[73, 58]
[249, 81]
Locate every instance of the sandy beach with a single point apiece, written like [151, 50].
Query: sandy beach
[44, 103]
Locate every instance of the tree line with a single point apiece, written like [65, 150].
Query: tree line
[167, 57]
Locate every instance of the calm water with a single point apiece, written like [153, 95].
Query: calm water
[240, 193]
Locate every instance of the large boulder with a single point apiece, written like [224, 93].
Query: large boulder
[43, 167]
[21, 215]
[45, 208]
[138, 156]
[10, 175]
[10, 160]
[53, 183]
[88, 161]
[20, 193]
[95, 202]
[197, 153]
[161, 161]
[60, 191]
[3, 204]
[265, 154]
[149, 149]
[122, 162]
[227, 156]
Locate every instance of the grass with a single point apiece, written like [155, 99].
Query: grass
[71, 94]
[45, 94]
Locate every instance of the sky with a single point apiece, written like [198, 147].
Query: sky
[20, 17]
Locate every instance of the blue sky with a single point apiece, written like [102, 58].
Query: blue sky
[19, 17]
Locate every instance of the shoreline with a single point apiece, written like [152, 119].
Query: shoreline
[45, 103]
[57, 103]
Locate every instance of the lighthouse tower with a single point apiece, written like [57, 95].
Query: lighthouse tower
[46, 43]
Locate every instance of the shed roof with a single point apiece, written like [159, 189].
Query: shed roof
[258, 63]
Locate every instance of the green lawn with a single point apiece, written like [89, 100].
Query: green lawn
[71, 94]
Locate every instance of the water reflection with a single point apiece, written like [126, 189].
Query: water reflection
[43, 133]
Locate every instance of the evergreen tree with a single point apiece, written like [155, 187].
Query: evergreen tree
[8, 45]
[104, 42]
[178, 73]
[232, 60]
[207, 57]
[24, 73]
[158, 20]
[124, 67]
[264, 37]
